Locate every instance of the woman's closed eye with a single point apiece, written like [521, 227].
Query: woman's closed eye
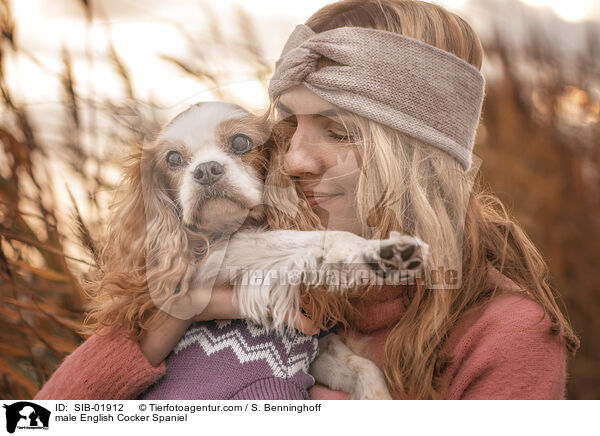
[339, 133]
[329, 128]
[340, 136]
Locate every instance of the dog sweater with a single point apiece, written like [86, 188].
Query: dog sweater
[237, 359]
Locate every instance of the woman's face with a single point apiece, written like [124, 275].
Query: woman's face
[321, 158]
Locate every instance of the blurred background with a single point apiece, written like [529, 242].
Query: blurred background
[79, 79]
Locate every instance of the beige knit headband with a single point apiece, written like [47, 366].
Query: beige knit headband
[406, 84]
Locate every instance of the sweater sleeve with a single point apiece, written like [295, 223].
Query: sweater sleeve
[102, 368]
[508, 353]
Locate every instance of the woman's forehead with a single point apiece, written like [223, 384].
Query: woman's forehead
[300, 100]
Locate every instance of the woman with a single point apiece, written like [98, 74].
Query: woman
[370, 155]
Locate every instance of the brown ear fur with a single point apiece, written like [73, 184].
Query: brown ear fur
[147, 257]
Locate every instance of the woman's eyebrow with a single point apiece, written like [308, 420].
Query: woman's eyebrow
[334, 112]
[325, 113]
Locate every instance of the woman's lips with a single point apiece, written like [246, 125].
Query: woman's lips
[315, 198]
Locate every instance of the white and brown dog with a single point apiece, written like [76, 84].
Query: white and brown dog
[208, 167]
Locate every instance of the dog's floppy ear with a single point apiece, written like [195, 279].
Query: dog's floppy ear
[169, 261]
[146, 259]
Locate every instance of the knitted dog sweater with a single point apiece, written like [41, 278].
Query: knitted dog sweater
[237, 359]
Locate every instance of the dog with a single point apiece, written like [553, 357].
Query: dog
[209, 166]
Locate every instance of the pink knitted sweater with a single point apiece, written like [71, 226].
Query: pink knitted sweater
[505, 351]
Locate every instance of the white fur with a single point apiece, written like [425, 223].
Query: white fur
[196, 126]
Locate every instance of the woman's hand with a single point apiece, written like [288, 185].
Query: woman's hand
[157, 344]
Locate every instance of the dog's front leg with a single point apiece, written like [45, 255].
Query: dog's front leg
[267, 270]
[292, 251]
[268, 267]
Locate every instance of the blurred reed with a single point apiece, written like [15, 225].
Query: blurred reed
[540, 148]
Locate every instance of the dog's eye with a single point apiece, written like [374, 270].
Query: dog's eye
[174, 160]
[240, 144]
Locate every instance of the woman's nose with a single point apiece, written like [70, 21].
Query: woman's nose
[300, 157]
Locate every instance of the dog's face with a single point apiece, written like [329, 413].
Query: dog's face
[211, 161]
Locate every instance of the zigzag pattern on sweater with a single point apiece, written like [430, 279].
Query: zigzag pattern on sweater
[251, 342]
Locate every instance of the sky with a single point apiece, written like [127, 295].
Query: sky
[570, 10]
[142, 30]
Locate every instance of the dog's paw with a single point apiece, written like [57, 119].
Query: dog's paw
[399, 252]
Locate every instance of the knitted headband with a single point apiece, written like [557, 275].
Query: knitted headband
[401, 82]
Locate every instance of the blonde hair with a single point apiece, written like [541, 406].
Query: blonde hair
[406, 185]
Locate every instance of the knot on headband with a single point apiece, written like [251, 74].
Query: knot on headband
[303, 62]
[401, 82]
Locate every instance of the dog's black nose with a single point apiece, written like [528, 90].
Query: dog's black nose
[208, 173]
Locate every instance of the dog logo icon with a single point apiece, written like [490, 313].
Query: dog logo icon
[26, 415]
